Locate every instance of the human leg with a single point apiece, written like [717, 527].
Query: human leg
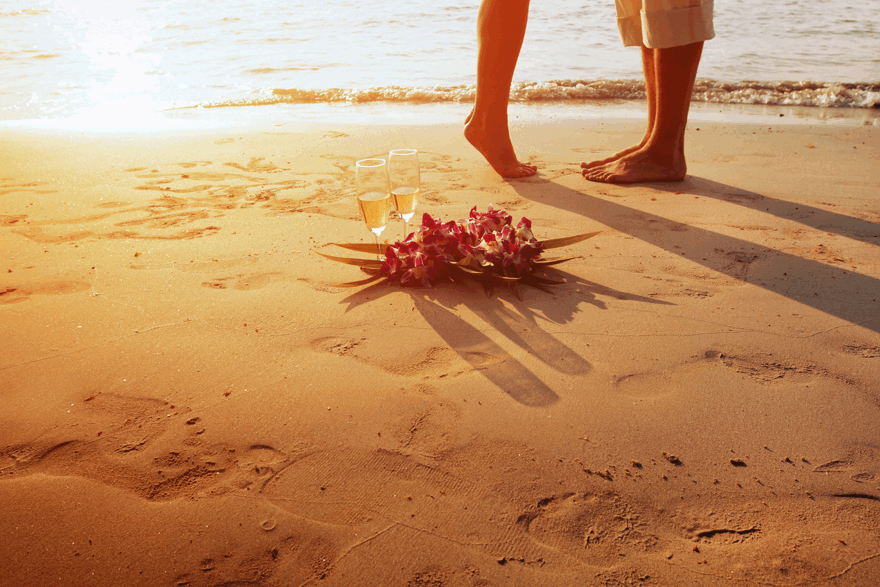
[661, 158]
[651, 93]
[501, 28]
[671, 34]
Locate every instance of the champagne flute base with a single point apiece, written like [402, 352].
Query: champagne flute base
[376, 232]
[406, 218]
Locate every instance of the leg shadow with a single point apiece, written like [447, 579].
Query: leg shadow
[818, 218]
[840, 292]
[493, 362]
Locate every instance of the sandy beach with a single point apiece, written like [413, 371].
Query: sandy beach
[189, 400]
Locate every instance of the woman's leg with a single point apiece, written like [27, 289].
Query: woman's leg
[501, 28]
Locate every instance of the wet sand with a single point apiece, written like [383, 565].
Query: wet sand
[189, 400]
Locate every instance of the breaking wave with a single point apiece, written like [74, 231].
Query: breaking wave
[816, 94]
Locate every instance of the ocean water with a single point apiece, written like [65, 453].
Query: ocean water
[130, 58]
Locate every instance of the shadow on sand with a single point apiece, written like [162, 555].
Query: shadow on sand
[519, 321]
[840, 292]
[836, 290]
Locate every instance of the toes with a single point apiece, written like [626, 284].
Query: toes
[593, 173]
[520, 170]
[599, 176]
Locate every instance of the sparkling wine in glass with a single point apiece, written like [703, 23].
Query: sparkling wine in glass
[374, 200]
[403, 179]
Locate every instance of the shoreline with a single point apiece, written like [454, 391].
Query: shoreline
[189, 399]
[312, 116]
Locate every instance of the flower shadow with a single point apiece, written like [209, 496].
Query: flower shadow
[489, 358]
[519, 321]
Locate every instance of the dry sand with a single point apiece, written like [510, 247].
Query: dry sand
[188, 400]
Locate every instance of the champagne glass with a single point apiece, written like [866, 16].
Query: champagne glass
[374, 200]
[403, 179]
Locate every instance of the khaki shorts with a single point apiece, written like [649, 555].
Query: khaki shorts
[658, 24]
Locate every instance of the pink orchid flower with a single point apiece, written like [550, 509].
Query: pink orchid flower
[420, 271]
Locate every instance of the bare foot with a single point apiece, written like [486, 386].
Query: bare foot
[494, 144]
[638, 167]
[615, 157]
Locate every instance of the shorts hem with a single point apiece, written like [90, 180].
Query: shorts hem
[663, 29]
[675, 28]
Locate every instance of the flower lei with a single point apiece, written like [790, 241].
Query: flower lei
[485, 247]
[481, 242]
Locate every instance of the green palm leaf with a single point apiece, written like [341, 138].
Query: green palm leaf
[360, 282]
[555, 243]
[369, 263]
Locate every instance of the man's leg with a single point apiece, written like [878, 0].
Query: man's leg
[651, 91]
[501, 28]
[661, 158]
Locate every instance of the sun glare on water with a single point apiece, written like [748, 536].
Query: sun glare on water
[123, 90]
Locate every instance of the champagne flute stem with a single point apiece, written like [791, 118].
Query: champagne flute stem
[378, 248]
[405, 232]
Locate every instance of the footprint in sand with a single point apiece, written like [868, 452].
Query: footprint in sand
[422, 389]
[512, 205]
[20, 455]
[861, 464]
[590, 527]
[12, 295]
[115, 425]
[426, 432]
[11, 219]
[64, 283]
[388, 485]
[697, 293]
[260, 464]
[114, 444]
[739, 197]
[261, 456]
[763, 370]
[767, 371]
[168, 220]
[245, 282]
[435, 198]
[218, 265]
[278, 562]
[738, 263]
[318, 285]
[394, 489]
[437, 162]
[656, 225]
[865, 350]
[720, 528]
[424, 362]
[255, 165]
[8, 188]
[645, 384]
[41, 235]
